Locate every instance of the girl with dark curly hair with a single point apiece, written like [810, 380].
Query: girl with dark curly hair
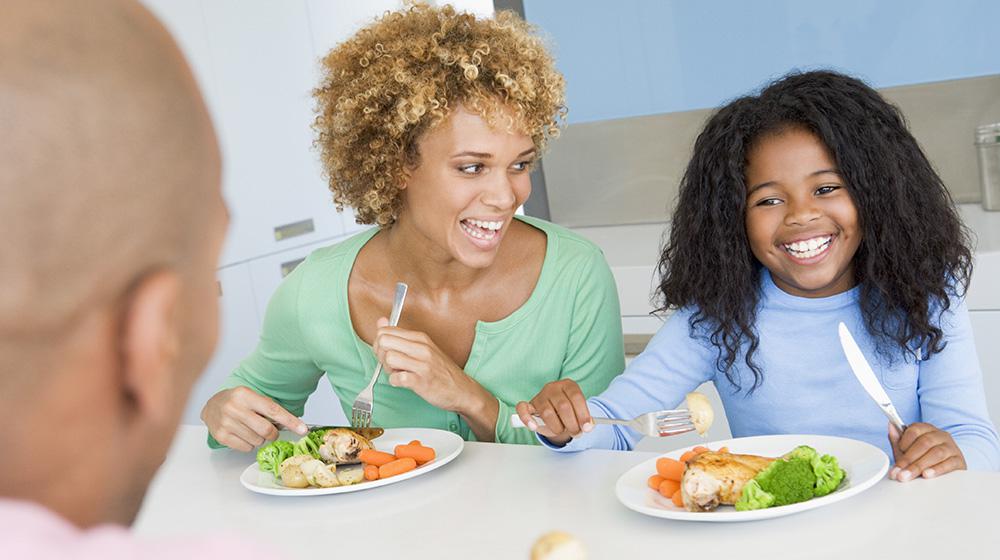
[804, 206]
[428, 122]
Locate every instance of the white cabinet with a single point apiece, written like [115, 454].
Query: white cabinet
[986, 326]
[239, 328]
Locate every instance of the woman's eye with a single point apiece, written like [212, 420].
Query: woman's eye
[826, 189]
[471, 169]
[522, 166]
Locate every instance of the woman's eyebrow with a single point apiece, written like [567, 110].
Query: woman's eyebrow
[486, 155]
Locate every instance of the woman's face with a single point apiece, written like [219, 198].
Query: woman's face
[800, 220]
[469, 181]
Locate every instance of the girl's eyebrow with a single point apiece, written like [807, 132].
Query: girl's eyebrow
[832, 170]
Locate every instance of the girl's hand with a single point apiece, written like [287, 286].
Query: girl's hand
[923, 450]
[242, 419]
[563, 408]
[416, 363]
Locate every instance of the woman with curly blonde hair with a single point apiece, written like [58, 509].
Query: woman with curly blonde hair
[428, 124]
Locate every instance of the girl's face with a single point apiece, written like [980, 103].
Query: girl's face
[469, 181]
[800, 220]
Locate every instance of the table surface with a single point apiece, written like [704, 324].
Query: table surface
[494, 500]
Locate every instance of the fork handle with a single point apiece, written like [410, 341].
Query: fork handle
[397, 308]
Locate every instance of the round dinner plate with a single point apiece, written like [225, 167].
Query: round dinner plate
[446, 446]
[865, 465]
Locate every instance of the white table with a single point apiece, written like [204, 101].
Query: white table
[493, 501]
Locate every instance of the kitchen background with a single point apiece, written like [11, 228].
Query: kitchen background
[642, 76]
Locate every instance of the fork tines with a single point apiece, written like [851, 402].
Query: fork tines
[674, 422]
[360, 418]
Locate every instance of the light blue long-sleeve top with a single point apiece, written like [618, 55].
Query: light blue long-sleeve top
[808, 386]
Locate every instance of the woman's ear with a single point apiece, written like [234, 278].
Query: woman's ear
[150, 344]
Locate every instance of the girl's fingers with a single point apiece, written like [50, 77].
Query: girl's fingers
[580, 409]
[526, 412]
[932, 457]
[551, 418]
[564, 407]
[952, 463]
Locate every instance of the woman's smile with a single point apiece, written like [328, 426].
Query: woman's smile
[484, 233]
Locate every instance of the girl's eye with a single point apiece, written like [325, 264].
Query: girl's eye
[826, 189]
[768, 202]
[471, 169]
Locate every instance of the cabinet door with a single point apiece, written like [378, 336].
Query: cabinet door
[265, 70]
[239, 329]
[986, 328]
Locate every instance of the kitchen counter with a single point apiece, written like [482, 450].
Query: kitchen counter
[494, 500]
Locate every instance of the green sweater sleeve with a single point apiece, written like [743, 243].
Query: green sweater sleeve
[595, 351]
[281, 367]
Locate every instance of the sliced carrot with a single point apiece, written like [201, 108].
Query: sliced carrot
[723, 449]
[688, 455]
[668, 468]
[419, 453]
[397, 467]
[654, 481]
[377, 458]
[678, 499]
[668, 488]
[371, 472]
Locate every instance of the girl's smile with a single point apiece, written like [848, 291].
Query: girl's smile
[801, 223]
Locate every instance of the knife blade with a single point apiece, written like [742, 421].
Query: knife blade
[866, 376]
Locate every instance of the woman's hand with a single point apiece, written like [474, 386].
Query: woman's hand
[923, 450]
[416, 363]
[241, 419]
[562, 407]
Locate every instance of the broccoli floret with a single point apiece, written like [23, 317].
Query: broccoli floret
[270, 456]
[753, 497]
[307, 446]
[829, 475]
[317, 436]
[802, 452]
[790, 481]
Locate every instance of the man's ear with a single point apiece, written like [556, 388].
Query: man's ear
[150, 343]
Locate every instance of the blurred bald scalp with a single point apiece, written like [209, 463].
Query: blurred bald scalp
[106, 157]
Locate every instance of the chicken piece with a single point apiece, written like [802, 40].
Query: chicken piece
[713, 478]
[342, 446]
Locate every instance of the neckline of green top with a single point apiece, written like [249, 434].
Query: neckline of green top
[538, 294]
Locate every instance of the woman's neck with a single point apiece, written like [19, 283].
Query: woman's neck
[414, 256]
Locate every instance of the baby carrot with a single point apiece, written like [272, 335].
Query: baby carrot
[415, 442]
[700, 449]
[669, 487]
[677, 499]
[419, 453]
[377, 458]
[399, 466]
[371, 472]
[723, 449]
[654, 481]
[668, 468]
[688, 455]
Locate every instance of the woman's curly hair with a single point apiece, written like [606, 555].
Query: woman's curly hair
[914, 252]
[402, 75]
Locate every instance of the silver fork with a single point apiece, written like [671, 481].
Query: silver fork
[361, 410]
[662, 423]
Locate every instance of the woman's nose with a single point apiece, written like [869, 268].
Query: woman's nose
[501, 193]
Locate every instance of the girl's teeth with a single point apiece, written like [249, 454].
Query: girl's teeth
[809, 248]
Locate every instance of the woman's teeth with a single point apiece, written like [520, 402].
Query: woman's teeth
[481, 229]
[809, 247]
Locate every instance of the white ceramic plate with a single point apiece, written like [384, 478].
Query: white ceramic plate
[446, 446]
[865, 465]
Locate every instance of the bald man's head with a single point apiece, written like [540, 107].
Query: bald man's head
[107, 156]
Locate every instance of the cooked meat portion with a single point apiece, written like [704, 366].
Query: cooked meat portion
[343, 446]
[713, 478]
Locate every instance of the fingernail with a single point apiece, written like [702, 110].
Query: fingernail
[587, 426]
[533, 426]
[894, 472]
[929, 473]
[302, 429]
[905, 476]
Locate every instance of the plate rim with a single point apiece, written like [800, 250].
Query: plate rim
[437, 463]
[755, 515]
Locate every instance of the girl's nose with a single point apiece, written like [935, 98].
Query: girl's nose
[801, 213]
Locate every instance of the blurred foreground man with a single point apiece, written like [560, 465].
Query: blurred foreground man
[113, 220]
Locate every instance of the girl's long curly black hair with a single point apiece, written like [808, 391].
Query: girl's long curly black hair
[914, 253]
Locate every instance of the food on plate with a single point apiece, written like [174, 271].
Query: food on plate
[712, 478]
[397, 467]
[418, 452]
[798, 476]
[702, 415]
[313, 460]
[708, 479]
[558, 545]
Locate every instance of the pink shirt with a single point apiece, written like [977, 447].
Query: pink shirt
[28, 530]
